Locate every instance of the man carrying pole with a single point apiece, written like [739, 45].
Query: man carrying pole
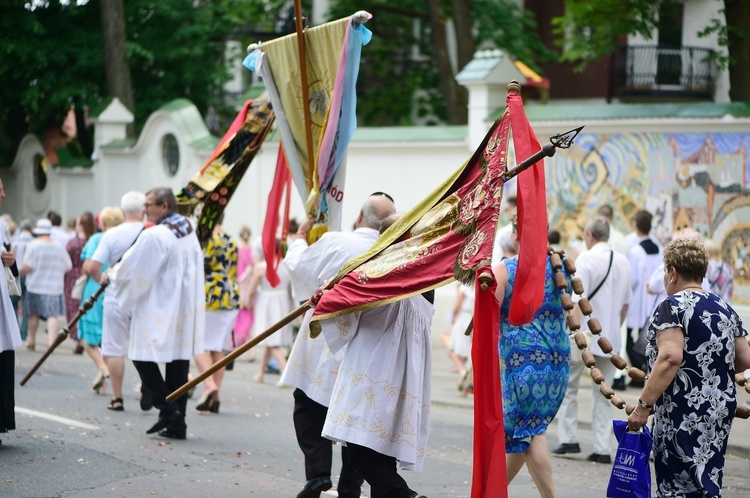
[161, 280]
[383, 417]
[312, 367]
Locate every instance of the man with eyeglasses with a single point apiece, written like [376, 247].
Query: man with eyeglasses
[160, 279]
[312, 367]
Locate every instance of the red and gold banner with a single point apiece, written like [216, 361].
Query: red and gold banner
[446, 237]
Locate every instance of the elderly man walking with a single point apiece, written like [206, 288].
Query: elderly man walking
[380, 407]
[605, 274]
[160, 279]
[312, 367]
[116, 323]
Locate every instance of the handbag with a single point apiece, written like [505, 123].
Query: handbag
[77, 291]
[631, 474]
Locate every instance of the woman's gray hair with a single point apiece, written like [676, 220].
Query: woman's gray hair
[132, 202]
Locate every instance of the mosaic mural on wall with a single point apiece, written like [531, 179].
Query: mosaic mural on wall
[698, 180]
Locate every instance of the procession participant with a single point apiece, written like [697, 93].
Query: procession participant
[10, 339]
[605, 273]
[222, 307]
[388, 352]
[57, 233]
[45, 264]
[644, 257]
[312, 367]
[160, 279]
[116, 320]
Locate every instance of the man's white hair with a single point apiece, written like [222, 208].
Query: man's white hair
[132, 203]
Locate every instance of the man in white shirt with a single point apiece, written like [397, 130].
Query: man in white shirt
[116, 321]
[388, 362]
[644, 257]
[10, 338]
[160, 280]
[605, 275]
[57, 232]
[312, 367]
[616, 238]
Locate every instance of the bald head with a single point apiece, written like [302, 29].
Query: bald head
[375, 209]
[390, 220]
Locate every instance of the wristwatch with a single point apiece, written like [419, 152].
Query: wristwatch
[644, 404]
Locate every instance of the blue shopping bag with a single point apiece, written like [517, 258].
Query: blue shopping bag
[631, 474]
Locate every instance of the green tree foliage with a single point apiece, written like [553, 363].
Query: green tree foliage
[593, 28]
[52, 56]
[399, 76]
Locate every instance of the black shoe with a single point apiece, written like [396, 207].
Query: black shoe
[315, 486]
[638, 384]
[163, 422]
[619, 384]
[567, 448]
[172, 434]
[594, 457]
[147, 400]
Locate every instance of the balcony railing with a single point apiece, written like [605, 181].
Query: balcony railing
[665, 72]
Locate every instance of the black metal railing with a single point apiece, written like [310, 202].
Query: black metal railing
[675, 70]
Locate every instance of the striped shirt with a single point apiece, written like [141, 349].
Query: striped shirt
[48, 262]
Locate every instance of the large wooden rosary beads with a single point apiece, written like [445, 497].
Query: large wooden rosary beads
[558, 260]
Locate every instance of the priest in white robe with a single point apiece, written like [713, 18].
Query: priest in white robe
[160, 279]
[312, 368]
[380, 406]
[10, 337]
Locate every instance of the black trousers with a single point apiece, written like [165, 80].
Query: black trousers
[161, 387]
[380, 472]
[7, 390]
[309, 417]
[637, 359]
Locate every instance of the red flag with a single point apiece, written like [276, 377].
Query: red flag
[281, 185]
[532, 220]
[447, 236]
[489, 478]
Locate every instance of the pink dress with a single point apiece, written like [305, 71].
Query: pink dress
[75, 247]
[244, 323]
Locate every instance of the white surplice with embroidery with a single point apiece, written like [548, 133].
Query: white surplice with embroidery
[160, 281]
[10, 337]
[312, 367]
[382, 395]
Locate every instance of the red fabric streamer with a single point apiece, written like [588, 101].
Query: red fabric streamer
[281, 185]
[489, 478]
[528, 292]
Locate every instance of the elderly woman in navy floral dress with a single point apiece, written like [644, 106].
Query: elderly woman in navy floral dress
[696, 342]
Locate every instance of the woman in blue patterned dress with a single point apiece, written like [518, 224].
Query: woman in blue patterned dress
[696, 342]
[535, 370]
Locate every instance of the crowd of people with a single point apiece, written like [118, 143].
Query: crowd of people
[168, 300]
[57, 270]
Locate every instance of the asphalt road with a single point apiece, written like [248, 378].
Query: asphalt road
[68, 444]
